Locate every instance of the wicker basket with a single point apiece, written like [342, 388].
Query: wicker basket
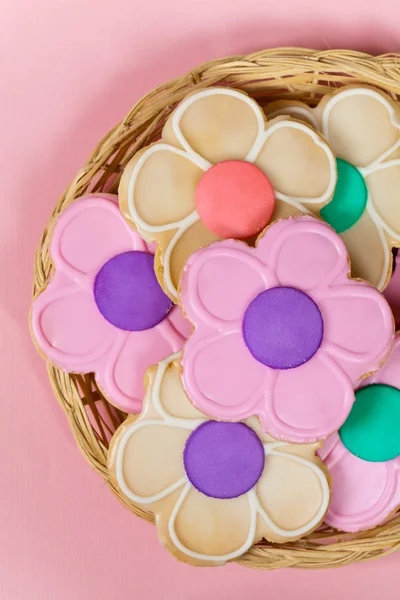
[290, 73]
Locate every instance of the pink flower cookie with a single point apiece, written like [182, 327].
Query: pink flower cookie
[280, 330]
[362, 125]
[104, 311]
[221, 171]
[364, 456]
[215, 488]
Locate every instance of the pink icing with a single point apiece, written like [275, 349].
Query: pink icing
[363, 493]
[390, 372]
[66, 322]
[392, 292]
[220, 375]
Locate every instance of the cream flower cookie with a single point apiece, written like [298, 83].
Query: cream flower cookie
[362, 125]
[215, 488]
[221, 171]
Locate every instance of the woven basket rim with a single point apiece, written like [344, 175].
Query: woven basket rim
[286, 72]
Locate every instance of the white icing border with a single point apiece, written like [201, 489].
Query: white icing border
[171, 421]
[180, 110]
[119, 470]
[213, 557]
[158, 147]
[324, 487]
[374, 166]
[183, 224]
[374, 214]
[189, 221]
[359, 91]
[270, 448]
[256, 509]
[258, 145]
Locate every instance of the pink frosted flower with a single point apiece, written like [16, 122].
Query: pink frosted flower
[364, 456]
[280, 330]
[104, 311]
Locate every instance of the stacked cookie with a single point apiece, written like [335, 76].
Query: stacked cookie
[215, 302]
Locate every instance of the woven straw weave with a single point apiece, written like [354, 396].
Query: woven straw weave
[290, 73]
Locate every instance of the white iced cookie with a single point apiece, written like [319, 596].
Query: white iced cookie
[362, 125]
[215, 487]
[221, 171]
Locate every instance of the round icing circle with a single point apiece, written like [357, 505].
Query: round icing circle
[223, 460]
[127, 293]
[234, 199]
[372, 429]
[349, 200]
[283, 328]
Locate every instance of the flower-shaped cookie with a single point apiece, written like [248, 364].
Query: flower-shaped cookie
[363, 127]
[221, 171]
[364, 457]
[104, 311]
[280, 330]
[215, 488]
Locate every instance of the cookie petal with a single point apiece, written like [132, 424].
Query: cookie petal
[361, 125]
[218, 124]
[89, 233]
[293, 493]
[307, 403]
[298, 162]
[363, 493]
[292, 108]
[221, 377]
[384, 185]
[179, 323]
[210, 293]
[389, 374]
[169, 398]
[201, 527]
[122, 380]
[368, 250]
[345, 311]
[304, 253]
[161, 189]
[69, 329]
[178, 248]
[148, 460]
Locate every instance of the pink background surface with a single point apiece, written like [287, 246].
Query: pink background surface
[70, 69]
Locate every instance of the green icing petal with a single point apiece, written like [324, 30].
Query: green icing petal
[372, 429]
[349, 200]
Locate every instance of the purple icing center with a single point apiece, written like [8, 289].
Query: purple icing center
[223, 460]
[127, 293]
[283, 328]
